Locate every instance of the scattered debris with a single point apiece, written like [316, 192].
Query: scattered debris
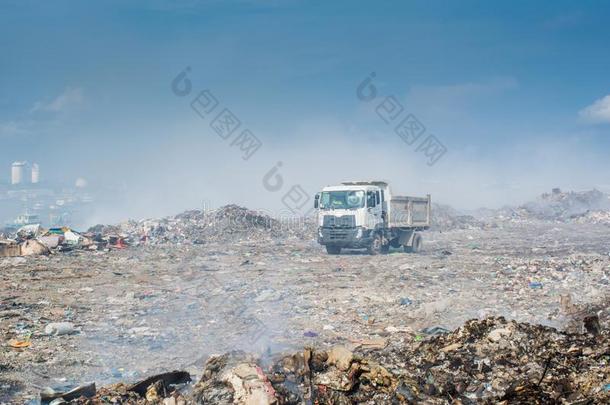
[59, 328]
[32, 247]
[9, 248]
[435, 331]
[19, 344]
[491, 360]
[167, 380]
[86, 391]
[157, 300]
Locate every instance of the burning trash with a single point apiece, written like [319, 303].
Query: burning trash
[491, 361]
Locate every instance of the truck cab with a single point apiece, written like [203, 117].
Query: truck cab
[358, 215]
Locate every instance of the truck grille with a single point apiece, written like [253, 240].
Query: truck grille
[346, 221]
[336, 234]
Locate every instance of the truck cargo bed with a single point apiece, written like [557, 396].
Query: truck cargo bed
[409, 212]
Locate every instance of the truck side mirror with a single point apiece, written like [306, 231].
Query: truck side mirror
[316, 201]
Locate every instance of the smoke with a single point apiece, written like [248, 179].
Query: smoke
[197, 167]
[151, 166]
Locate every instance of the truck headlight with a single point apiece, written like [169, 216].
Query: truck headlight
[359, 233]
[320, 232]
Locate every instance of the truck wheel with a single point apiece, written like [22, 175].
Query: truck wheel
[416, 246]
[333, 250]
[376, 246]
[385, 246]
[385, 249]
[395, 243]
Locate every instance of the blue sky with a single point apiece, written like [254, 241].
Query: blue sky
[514, 90]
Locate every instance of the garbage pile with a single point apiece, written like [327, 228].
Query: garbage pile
[582, 207]
[496, 360]
[33, 240]
[196, 226]
[491, 361]
[230, 222]
[445, 218]
[594, 217]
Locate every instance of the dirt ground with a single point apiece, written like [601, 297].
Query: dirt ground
[143, 310]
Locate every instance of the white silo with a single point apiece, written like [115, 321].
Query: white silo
[80, 183]
[17, 171]
[35, 173]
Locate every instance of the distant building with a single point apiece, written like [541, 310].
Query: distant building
[35, 173]
[27, 219]
[80, 183]
[17, 172]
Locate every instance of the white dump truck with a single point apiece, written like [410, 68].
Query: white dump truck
[365, 215]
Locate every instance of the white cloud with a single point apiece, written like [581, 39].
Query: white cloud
[69, 98]
[11, 128]
[563, 21]
[31, 122]
[455, 102]
[597, 112]
[458, 93]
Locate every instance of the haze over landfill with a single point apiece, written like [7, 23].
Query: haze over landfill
[265, 202]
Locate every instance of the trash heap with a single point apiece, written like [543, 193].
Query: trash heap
[33, 240]
[495, 360]
[594, 217]
[591, 206]
[491, 361]
[192, 227]
[195, 227]
[445, 218]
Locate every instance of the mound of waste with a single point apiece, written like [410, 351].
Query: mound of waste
[591, 206]
[594, 217]
[445, 217]
[484, 361]
[34, 240]
[193, 226]
[230, 222]
[196, 226]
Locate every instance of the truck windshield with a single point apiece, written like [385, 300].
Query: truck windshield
[342, 199]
